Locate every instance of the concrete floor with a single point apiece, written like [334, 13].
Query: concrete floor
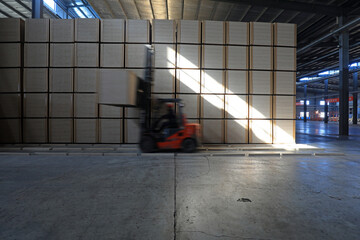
[186, 197]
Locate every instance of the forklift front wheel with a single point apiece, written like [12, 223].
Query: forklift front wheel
[189, 145]
[147, 144]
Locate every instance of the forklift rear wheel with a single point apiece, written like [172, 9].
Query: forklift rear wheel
[147, 144]
[189, 145]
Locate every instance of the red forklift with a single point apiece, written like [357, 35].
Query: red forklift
[163, 124]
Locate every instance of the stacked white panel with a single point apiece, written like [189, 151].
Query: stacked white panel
[237, 57]
[260, 106]
[112, 30]
[35, 130]
[188, 81]
[212, 81]
[61, 80]
[189, 31]
[62, 30]
[260, 131]
[163, 31]
[236, 131]
[261, 58]
[86, 131]
[112, 55]
[10, 130]
[213, 32]
[60, 130]
[212, 131]
[188, 56]
[9, 80]
[261, 82]
[285, 34]
[284, 107]
[61, 105]
[35, 105]
[86, 79]
[86, 105]
[238, 33]
[11, 38]
[284, 131]
[110, 131]
[213, 56]
[285, 59]
[62, 55]
[87, 30]
[237, 82]
[137, 31]
[261, 33]
[285, 83]
[164, 55]
[165, 81]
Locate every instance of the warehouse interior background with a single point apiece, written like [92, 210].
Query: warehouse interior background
[285, 168]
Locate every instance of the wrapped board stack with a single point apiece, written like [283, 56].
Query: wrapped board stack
[11, 39]
[61, 81]
[36, 81]
[236, 79]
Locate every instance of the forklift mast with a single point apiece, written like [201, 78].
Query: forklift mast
[144, 91]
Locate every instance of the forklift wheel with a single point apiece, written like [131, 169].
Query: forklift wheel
[147, 144]
[189, 145]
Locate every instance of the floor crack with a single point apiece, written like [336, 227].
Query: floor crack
[222, 235]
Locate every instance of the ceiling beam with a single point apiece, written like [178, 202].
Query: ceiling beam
[344, 27]
[244, 14]
[293, 5]
[261, 14]
[6, 14]
[13, 9]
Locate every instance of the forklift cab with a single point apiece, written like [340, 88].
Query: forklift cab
[169, 132]
[168, 117]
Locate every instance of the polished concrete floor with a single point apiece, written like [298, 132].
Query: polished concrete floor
[167, 196]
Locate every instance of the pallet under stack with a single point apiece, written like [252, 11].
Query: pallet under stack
[11, 39]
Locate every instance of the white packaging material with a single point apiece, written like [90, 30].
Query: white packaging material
[112, 55]
[212, 131]
[62, 55]
[35, 79]
[9, 80]
[260, 106]
[62, 30]
[236, 131]
[189, 31]
[86, 79]
[112, 30]
[237, 82]
[163, 31]
[36, 55]
[87, 30]
[237, 33]
[117, 87]
[37, 30]
[61, 79]
[11, 29]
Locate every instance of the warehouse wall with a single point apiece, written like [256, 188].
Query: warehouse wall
[236, 79]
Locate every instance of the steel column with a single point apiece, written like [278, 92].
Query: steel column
[37, 9]
[305, 100]
[343, 80]
[326, 109]
[355, 98]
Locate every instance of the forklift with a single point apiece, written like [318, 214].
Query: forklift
[163, 126]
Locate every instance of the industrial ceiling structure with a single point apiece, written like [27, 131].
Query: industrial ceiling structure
[314, 18]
